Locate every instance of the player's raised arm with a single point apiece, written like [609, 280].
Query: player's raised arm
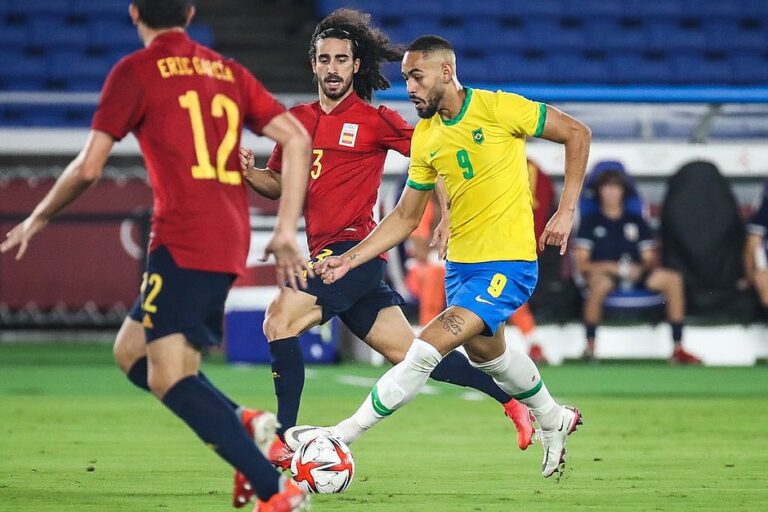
[576, 136]
[80, 174]
[291, 135]
[264, 182]
[392, 230]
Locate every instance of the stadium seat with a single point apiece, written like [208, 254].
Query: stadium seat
[493, 35]
[641, 69]
[107, 9]
[516, 69]
[23, 72]
[719, 10]
[730, 35]
[58, 33]
[31, 9]
[673, 36]
[13, 38]
[200, 33]
[750, 68]
[611, 36]
[695, 68]
[656, 10]
[575, 67]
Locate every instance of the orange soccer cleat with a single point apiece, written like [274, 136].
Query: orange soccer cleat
[280, 455]
[681, 356]
[289, 499]
[523, 419]
[261, 427]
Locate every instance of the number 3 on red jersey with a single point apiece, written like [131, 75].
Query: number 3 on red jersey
[204, 169]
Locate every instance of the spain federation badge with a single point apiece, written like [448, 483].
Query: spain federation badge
[478, 136]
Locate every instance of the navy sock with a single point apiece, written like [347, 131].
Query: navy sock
[216, 424]
[677, 332]
[288, 377]
[138, 376]
[216, 390]
[455, 369]
[591, 331]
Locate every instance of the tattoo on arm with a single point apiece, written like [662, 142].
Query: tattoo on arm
[451, 322]
[353, 256]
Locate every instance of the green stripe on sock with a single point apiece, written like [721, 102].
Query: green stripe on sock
[379, 407]
[528, 394]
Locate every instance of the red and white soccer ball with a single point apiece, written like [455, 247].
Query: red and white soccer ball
[323, 465]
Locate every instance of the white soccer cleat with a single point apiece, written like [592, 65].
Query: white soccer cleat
[554, 441]
[297, 436]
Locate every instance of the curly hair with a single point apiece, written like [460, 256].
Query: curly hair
[369, 44]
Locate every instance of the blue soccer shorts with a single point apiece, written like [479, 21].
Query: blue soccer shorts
[176, 300]
[492, 290]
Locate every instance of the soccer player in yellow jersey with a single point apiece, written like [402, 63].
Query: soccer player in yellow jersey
[475, 140]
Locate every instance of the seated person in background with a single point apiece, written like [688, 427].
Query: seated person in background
[614, 248]
[756, 250]
[425, 274]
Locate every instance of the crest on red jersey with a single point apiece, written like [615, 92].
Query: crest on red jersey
[348, 135]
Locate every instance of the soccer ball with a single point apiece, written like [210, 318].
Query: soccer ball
[323, 465]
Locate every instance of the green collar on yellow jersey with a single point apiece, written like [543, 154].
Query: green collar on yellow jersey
[464, 107]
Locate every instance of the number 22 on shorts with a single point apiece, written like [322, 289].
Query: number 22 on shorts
[155, 282]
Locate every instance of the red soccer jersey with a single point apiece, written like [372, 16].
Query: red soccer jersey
[187, 105]
[349, 146]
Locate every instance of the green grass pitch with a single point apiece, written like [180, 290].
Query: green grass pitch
[75, 436]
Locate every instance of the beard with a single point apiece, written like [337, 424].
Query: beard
[429, 107]
[338, 93]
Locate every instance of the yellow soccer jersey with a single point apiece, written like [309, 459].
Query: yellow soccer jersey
[481, 156]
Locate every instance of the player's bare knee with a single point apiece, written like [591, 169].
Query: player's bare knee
[276, 326]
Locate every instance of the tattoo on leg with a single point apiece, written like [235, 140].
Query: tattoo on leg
[451, 322]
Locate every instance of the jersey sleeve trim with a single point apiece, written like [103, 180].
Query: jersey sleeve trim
[420, 186]
[464, 107]
[542, 120]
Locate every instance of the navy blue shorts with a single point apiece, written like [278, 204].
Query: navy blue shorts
[358, 297]
[179, 300]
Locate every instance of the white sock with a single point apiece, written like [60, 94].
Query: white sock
[518, 376]
[393, 390]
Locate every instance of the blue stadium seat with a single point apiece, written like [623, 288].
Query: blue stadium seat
[515, 69]
[550, 34]
[58, 33]
[574, 67]
[40, 8]
[595, 9]
[717, 9]
[79, 72]
[492, 35]
[658, 9]
[750, 68]
[539, 9]
[424, 10]
[673, 36]
[697, 69]
[629, 68]
[106, 9]
[200, 33]
[23, 72]
[472, 69]
[13, 38]
[487, 9]
[728, 35]
[115, 34]
[610, 35]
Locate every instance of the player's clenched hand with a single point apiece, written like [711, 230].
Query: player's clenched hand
[440, 238]
[247, 160]
[21, 235]
[332, 269]
[557, 231]
[290, 263]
